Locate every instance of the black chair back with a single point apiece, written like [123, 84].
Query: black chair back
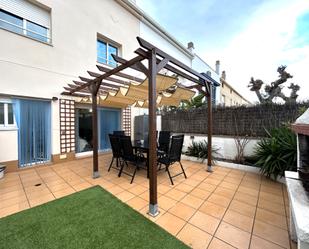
[176, 148]
[119, 133]
[126, 147]
[164, 140]
[115, 144]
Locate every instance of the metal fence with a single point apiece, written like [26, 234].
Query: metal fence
[252, 121]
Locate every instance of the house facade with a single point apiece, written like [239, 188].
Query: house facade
[228, 95]
[46, 44]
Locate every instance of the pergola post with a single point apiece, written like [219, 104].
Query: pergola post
[94, 94]
[209, 128]
[152, 72]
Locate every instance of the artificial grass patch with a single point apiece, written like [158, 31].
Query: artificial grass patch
[92, 218]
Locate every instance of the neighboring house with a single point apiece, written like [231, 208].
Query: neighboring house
[46, 44]
[229, 96]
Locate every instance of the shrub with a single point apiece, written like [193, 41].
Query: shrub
[277, 152]
[200, 150]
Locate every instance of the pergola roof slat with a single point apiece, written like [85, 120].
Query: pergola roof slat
[124, 75]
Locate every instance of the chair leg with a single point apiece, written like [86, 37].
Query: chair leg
[117, 162]
[111, 164]
[169, 174]
[121, 168]
[133, 174]
[183, 171]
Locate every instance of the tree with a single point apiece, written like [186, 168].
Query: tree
[274, 88]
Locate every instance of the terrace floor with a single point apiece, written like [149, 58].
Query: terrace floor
[225, 209]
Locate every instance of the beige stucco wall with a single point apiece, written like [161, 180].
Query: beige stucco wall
[34, 69]
[231, 97]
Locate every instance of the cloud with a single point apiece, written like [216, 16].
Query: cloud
[267, 42]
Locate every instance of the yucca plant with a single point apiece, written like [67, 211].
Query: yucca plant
[200, 150]
[277, 152]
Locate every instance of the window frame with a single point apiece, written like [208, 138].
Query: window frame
[6, 125]
[108, 44]
[25, 31]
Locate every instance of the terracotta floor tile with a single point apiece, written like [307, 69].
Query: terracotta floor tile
[219, 200]
[276, 198]
[58, 187]
[238, 220]
[233, 236]
[5, 189]
[275, 191]
[162, 188]
[125, 196]
[13, 201]
[38, 200]
[12, 194]
[192, 182]
[176, 194]
[212, 181]
[271, 206]
[250, 184]
[207, 187]
[205, 222]
[271, 218]
[184, 187]
[271, 233]
[200, 193]
[182, 211]
[137, 189]
[166, 202]
[192, 201]
[224, 192]
[259, 243]
[248, 191]
[228, 185]
[63, 192]
[194, 237]
[219, 244]
[242, 208]
[14, 209]
[171, 223]
[212, 209]
[82, 186]
[232, 180]
[245, 198]
[137, 203]
[115, 190]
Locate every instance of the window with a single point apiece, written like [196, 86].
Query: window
[6, 115]
[25, 18]
[11, 22]
[104, 53]
[223, 99]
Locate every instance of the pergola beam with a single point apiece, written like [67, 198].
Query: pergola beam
[120, 74]
[176, 62]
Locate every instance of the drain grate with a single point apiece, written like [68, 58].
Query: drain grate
[38, 184]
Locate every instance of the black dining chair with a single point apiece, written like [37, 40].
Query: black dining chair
[173, 156]
[128, 156]
[119, 133]
[116, 150]
[164, 141]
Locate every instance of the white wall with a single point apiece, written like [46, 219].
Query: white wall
[8, 145]
[226, 145]
[33, 69]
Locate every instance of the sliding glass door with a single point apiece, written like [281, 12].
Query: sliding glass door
[109, 121]
[33, 119]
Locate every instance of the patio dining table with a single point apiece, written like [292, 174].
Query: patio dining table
[143, 147]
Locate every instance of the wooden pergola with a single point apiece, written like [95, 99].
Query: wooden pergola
[114, 79]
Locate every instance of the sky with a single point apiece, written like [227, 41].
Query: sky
[251, 38]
